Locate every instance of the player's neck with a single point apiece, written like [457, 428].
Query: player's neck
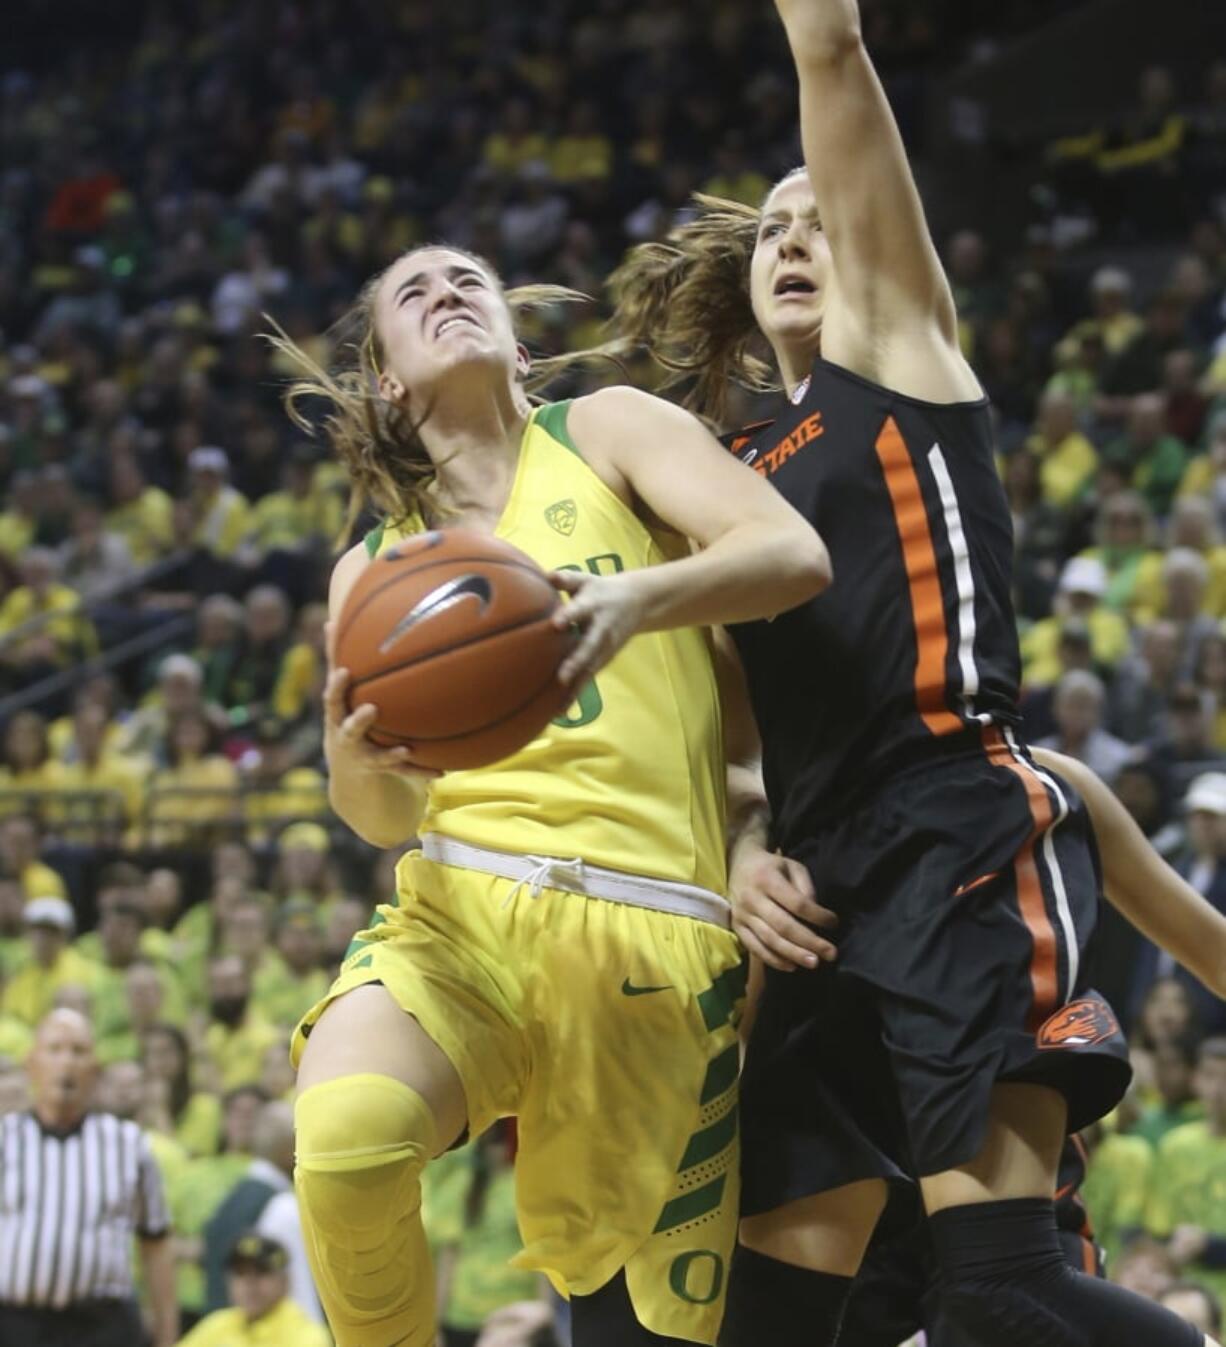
[795, 362]
[474, 444]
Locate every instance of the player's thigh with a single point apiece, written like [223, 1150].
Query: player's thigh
[365, 1032]
[828, 1232]
[1019, 1157]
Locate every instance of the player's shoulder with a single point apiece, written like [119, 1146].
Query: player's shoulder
[356, 559]
[620, 414]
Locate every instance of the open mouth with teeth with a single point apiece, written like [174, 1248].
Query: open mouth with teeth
[448, 323]
[794, 285]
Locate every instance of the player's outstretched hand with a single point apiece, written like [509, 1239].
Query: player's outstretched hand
[772, 900]
[345, 735]
[604, 610]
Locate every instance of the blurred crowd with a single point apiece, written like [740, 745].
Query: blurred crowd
[167, 859]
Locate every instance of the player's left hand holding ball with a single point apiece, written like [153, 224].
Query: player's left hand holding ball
[605, 610]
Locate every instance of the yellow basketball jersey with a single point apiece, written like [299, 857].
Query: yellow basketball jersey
[632, 776]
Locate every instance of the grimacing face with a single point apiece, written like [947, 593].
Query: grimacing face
[791, 265]
[437, 311]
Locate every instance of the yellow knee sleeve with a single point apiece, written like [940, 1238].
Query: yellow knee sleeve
[362, 1142]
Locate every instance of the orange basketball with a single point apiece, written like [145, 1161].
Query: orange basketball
[449, 635]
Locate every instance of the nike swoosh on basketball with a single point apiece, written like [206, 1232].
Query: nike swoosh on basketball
[629, 989]
[444, 596]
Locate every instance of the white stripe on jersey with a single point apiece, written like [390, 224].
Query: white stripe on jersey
[1063, 909]
[963, 578]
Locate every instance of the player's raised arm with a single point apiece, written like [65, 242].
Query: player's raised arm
[888, 285]
[376, 791]
[1142, 886]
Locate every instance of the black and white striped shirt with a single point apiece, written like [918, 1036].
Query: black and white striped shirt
[69, 1207]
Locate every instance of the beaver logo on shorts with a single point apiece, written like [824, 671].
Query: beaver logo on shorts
[1080, 1024]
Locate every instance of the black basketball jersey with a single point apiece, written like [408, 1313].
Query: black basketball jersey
[914, 643]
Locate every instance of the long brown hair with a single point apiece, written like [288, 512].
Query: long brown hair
[686, 302]
[379, 443]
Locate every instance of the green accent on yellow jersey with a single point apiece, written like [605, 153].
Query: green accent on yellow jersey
[631, 776]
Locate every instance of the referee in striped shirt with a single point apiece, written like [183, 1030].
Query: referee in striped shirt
[75, 1187]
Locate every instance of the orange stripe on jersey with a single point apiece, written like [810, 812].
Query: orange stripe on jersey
[1089, 1257]
[1043, 965]
[923, 580]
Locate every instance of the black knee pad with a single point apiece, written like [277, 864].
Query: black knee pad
[984, 1313]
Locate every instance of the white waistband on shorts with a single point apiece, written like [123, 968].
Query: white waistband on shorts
[576, 876]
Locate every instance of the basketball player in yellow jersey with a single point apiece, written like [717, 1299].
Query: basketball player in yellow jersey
[560, 946]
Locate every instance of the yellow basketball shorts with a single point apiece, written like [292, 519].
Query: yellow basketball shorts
[610, 1032]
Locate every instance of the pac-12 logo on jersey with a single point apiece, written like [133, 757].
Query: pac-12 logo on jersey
[562, 516]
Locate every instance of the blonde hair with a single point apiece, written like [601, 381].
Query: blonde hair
[379, 443]
[686, 301]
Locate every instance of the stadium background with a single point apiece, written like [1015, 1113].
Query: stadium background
[170, 172]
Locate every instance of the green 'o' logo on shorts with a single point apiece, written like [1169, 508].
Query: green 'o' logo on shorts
[697, 1276]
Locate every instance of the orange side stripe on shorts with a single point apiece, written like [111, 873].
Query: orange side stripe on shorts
[1043, 968]
[1089, 1259]
[923, 580]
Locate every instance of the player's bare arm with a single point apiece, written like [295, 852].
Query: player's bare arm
[757, 556]
[1142, 886]
[889, 314]
[376, 791]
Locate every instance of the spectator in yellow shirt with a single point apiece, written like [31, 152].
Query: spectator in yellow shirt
[20, 844]
[1125, 546]
[220, 514]
[301, 678]
[28, 764]
[261, 1313]
[43, 626]
[145, 996]
[516, 142]
[583, 151]
[1083, 585]
[1067, 459]
[301, 980]
[54, 964]
[179, 691]
[1192, 526]
[237, 1035]
[197, 795]
[1185, 579]
[191, 1117]
[19, 521]
[110, 788]
[296, 518]
[1112, 320]
[303, 867]
[1205, 474]
[142, 515]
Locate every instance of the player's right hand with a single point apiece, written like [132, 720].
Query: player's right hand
[772, 900]
[345, 736]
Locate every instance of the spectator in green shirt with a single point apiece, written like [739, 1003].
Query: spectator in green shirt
[1187, 1201]
[1174, 1071]
[1152, 461]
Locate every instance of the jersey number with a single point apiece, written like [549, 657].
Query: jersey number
[589, 703]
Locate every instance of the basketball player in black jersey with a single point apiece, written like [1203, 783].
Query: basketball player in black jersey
[954, 1041]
